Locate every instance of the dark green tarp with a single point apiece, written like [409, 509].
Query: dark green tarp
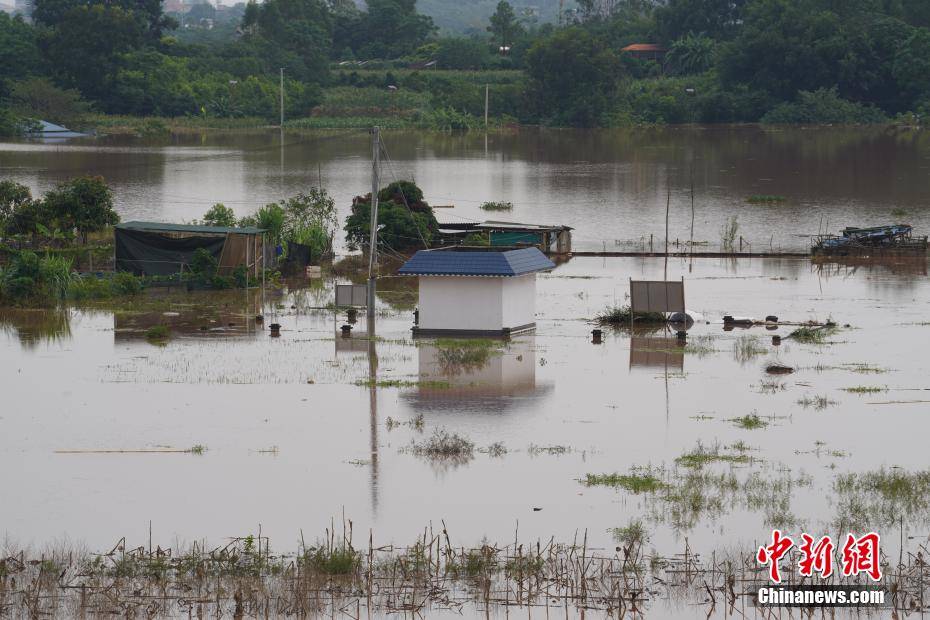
[155, 254]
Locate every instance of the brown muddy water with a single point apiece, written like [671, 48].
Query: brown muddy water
[612, 186]
[296, 432]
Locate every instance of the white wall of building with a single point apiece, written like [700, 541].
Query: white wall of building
[519, 300]
[477, 303]
[450, 302]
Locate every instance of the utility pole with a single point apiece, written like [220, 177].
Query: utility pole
[282, 98]
[373, 243]
[486, 95]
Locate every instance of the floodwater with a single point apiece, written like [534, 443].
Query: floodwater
[297, 433]
[611, 186]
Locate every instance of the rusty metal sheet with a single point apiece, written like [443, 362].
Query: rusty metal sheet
[657, 296]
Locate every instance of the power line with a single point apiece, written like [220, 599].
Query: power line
[416, 224]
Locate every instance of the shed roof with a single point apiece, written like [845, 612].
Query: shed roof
[498, 225]
[476, 263]
[189, 228]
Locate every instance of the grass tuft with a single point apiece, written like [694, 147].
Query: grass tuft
[622, 315]
[750, 422]
[637, 481]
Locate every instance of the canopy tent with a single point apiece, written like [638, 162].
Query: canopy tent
[153, 248]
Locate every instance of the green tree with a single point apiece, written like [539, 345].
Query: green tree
[785, 46]
[573, 77]
[692, 54]
[717, 19]
[148, 13]
[13, 197]
[294, 34]
[219, 215]
[911, 66]
[84, 47]
[504, 27]
[270, 218]
[461, 53]
[392, 28]
[37, 97]
[406, 220]
[19, 51]
[84, 204]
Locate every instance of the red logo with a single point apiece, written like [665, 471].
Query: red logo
[860, 555]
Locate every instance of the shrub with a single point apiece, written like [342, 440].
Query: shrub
[91, 287]
[821, 107]
[310, 218]
[157, 333]
[32, 280]
[623, 315]
[203, 264]
[341, 560]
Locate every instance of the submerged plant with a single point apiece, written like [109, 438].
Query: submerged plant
[747, 347]
[813, 335]
[701, 456]
[158, 334]
[633, 534]
[728, 234]
[750, 422]
[638, 480]
[618, 316]
[765, 198]
[497, 206]
[445, 447]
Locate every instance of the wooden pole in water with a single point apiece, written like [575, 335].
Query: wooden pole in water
[282, 98]
[668, 204]
[373, 243]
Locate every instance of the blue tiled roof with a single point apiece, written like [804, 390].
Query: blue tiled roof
[451, 263]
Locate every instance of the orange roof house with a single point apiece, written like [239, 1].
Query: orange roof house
[646, 51]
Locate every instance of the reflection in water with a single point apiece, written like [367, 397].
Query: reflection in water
[657, 352]
[848, 266]
[469, 377]
[33, 327]
[373, 413]
[199, 321]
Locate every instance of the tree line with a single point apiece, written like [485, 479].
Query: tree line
[842, 61]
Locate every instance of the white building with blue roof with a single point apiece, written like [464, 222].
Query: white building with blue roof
[476, 291]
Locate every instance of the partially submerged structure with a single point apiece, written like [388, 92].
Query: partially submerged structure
[50, 132]
[876, 241]
[158, 249]
[476, 291]
[548, 239]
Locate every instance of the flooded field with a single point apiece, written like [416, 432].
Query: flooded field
[642, 465]
[222, 428]
[610, 185]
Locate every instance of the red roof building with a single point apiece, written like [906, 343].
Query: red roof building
[646, 51]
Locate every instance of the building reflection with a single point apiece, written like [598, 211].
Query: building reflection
[657, 352]
[477, 377]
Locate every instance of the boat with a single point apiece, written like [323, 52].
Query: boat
[894, 239]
